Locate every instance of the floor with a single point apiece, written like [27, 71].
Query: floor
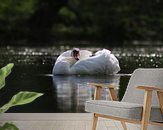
[57, 121]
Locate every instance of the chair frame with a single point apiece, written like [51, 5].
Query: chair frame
[146, 106]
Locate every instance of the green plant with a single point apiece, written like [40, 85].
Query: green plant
[20, 98]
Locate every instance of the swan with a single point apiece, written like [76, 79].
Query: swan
[82, 62]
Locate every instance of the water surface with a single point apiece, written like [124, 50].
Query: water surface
[32, 72]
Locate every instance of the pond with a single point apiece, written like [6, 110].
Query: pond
[33, 72]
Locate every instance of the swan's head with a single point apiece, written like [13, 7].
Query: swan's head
[75, 53]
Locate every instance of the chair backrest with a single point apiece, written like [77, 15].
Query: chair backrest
[147, 77]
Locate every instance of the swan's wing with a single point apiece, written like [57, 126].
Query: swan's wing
[84, 54]
[103, 52]
[63, 65]
[98, 64]
[91, 65]
[65, 54]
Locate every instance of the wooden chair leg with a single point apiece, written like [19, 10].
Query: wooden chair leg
[146, 110]
[160, 98]
[124, 125]
[94, 123]
[112, 94]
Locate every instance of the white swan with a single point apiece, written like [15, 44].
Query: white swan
[102, 63]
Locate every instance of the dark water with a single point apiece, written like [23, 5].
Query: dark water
[32, 72]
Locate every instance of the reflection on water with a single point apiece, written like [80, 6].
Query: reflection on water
[73, 91]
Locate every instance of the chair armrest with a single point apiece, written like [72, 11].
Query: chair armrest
[150, 88]
[148, 100]
[99, 86]
[110, 86]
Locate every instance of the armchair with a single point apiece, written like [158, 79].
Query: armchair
[142, 102]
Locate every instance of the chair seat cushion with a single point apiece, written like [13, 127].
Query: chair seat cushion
[125, 110]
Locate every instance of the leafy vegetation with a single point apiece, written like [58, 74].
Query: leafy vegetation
[21, 98]
[8, 126]
[104, 20]
[4, 72]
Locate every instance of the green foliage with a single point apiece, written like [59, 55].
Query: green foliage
[20, 99]
[4, 72]
[8, 126]
[119, 20]
[66, 13]
[14, 9]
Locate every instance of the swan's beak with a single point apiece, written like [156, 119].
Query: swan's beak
[76, 57]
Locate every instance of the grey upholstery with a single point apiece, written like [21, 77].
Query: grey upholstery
[146, 77]
[132, 103]
[125, 110]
